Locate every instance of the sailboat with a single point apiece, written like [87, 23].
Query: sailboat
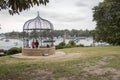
[7, 40]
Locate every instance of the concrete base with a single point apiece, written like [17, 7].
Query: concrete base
[38, 51]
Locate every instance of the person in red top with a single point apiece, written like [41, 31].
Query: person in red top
[33, 44]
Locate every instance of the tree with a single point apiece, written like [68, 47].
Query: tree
[113, 0]
[16, 6]
[107, 16]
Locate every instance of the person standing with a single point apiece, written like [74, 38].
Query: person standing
[27, 43]
[36, 43]
[33, 44]
[48, 46]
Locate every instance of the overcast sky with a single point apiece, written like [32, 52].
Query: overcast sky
[64, 14]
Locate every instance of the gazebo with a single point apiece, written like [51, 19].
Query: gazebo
[41, 31]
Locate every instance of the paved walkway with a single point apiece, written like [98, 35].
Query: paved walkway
[57, 55]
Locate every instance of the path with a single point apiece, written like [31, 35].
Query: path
[57, 55]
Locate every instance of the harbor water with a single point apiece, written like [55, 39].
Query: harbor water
[7, 44]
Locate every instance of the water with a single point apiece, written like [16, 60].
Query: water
[88, 41]
[9, 44]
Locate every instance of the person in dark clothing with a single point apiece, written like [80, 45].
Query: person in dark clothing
[27, 42]
[48, 46]
[36, 43]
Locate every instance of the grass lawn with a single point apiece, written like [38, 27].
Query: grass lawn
[96, 63]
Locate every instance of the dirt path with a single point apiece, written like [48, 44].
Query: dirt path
[98, 69]
[56, 56]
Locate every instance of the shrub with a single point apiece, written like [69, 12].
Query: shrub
[13, 50]
[68, 46]
[80, 45]
[20, 49]
[61, 45]
[1, 50]
[71, 43]
[5, 52]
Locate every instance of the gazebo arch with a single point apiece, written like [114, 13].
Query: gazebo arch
[41, 30]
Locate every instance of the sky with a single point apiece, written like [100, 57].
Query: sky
[63, 14]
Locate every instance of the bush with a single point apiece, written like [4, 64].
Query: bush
[61, 45]
[20, 49]
[68, 46]
[71, 43]
[5, 52]
[80, 45]
[1, 50]
[13, 50]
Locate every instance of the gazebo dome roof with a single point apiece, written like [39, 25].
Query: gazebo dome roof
[38, 23]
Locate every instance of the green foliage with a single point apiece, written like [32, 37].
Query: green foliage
[5, 52]
[13, 50]
[71, 43]
[113, 0]
[80, 45]
[107, 16]
[14, 35]
[55, 33]
[20, 49]
[68, 46]
[16, 6]
[72, 33]
[61, 45]
[1, 50]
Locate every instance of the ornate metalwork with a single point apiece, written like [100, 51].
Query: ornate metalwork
[38, 29]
